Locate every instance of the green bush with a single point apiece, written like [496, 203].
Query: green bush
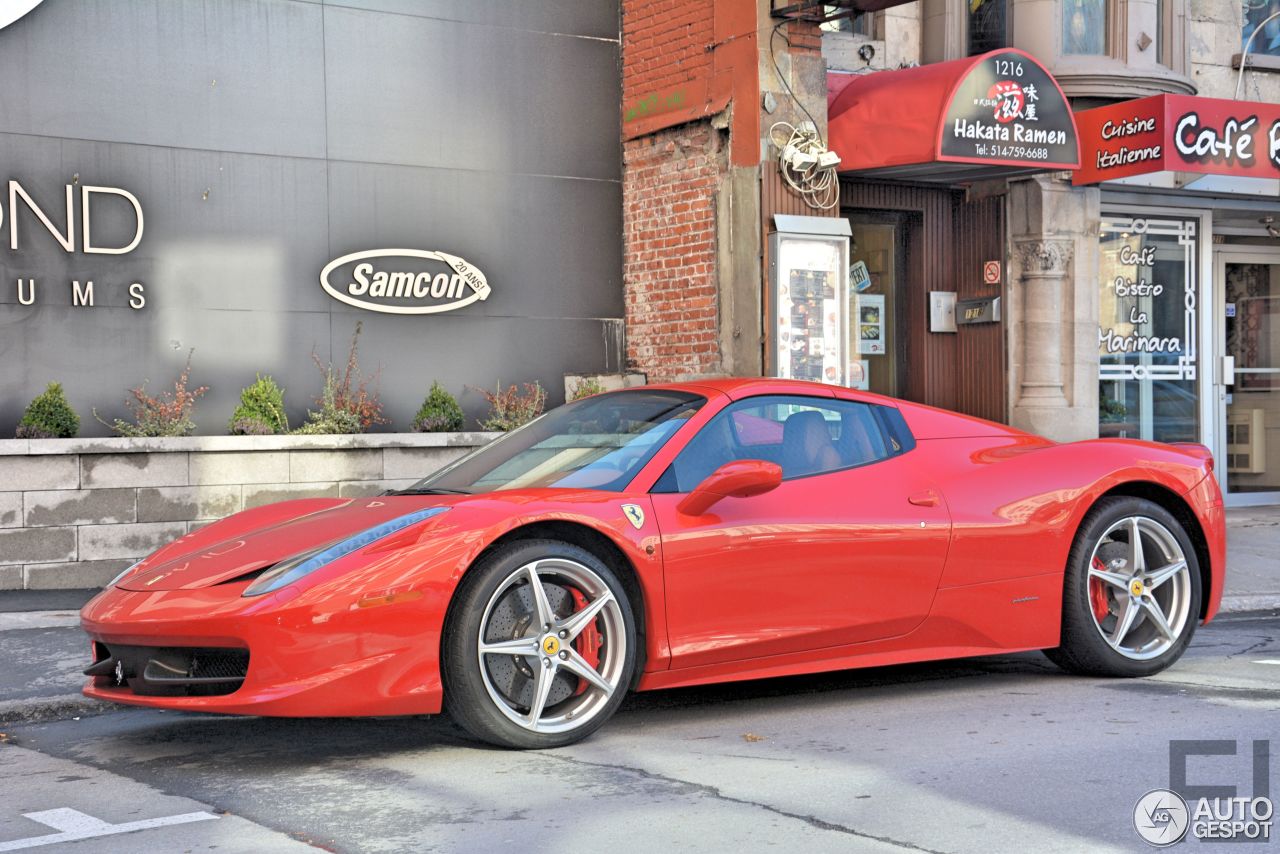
[585, 387]
[261, 410]
[49, 416]
[440, 412]
[347, 404]
[510, 408]
[332, 417]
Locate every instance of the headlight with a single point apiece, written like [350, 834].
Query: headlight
[289, 571]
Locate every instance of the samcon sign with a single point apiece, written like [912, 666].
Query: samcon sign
[404, 281]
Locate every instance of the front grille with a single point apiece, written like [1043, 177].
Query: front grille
[169, 671]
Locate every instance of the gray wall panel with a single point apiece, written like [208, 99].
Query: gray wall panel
[550, 249]
[232, 75]
[243, 207]
[591, 18]
[470, 97]
[255, 242]
[411, 356]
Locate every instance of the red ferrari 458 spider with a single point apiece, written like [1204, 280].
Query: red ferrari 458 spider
[674, 535]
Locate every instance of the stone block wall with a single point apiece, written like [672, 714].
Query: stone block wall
[75, 512]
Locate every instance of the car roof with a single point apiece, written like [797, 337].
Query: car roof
[737, 388]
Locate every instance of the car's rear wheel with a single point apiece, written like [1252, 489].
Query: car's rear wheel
[539, 647]
[1131, 598]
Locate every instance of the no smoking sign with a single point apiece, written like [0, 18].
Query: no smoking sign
[991, 272]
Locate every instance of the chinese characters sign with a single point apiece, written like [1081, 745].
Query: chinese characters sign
[1008, 109]
[1001, 109]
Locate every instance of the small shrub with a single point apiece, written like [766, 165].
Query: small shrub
[585, 387]
[347, 405]
[165, 414]
[511, 408]
[49, 416]
[249, 427]
[331, 418]
[440, 412]
[261, 410]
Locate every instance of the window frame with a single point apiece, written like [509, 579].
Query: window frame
[894, 432]
[966, 39]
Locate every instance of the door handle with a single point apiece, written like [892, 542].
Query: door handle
[928, 498]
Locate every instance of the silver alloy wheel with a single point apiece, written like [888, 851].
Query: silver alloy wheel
[545, 644]
[1139, 572]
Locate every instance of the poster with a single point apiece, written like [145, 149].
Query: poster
[813, 324]
[870, 322]
[860, 374]
[812, 308]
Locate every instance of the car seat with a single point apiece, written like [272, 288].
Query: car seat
[806, 445]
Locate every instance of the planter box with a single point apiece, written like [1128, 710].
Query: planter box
[74, 512]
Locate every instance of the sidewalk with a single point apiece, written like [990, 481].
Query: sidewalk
[1253, 559]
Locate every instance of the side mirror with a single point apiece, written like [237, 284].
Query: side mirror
[738, 479]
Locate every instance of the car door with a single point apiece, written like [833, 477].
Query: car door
[848, 548]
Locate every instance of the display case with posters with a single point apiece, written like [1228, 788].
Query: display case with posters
[809, 305]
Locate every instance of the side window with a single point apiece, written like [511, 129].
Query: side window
[804, 435]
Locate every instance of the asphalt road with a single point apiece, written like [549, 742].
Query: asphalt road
[983, 755]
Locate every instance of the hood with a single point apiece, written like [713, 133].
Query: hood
[258, 540]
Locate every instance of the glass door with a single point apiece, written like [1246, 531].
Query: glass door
[1249, 323]
[877, 340]
[1147, 322]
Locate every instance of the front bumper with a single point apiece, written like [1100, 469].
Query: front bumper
[308, 656]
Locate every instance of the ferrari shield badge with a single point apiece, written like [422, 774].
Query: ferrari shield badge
[634, 514]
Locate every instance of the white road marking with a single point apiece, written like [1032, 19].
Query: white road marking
[1268, 661]
[73, 825]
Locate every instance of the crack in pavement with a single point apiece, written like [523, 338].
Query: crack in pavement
[715, 793]
[1266, 640]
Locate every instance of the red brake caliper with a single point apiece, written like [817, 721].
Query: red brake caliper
[587, 643]
[1098, 593]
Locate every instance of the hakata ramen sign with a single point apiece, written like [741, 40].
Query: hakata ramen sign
[404, 281]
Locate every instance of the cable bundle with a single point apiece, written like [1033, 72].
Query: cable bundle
[806, 164]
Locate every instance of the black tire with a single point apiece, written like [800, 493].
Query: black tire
[491, 583]
[1083, 649]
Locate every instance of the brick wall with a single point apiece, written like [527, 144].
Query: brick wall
[666, 43]
[74, 513]
[669, 187]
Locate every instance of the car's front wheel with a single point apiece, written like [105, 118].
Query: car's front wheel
[1131, 598]
[539, 647]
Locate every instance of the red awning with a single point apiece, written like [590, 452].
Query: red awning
[971, 119]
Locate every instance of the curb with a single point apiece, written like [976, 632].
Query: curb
[41, 710]
[1242, 603]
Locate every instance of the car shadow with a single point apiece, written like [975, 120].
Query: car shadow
[168, 738]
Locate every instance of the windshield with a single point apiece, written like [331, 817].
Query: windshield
[596, 443]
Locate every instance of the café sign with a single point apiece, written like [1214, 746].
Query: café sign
[1179, 133]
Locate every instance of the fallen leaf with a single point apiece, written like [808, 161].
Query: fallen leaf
[751, 736]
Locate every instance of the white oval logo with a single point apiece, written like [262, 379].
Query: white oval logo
[12, 10]
[396, 281]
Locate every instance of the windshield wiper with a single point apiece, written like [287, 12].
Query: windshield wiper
[429, 490]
